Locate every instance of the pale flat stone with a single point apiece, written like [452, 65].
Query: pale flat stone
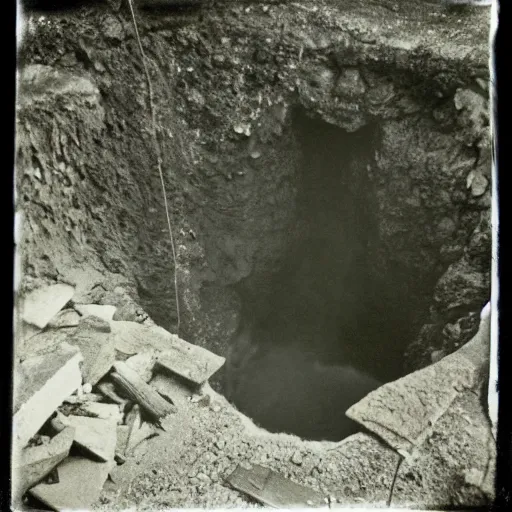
[35, 462]
[80, 483]
[41, 384]
[96, 436]
[403, 412]
[171, 389]
[104, 312]
[96, 346]
[41, 305]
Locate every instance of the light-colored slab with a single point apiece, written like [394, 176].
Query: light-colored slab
[40, 385]
[96, 436]
[104, 312]
[80, 483]
[41, 305]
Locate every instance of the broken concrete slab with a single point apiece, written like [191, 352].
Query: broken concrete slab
[41, 305]
[100, 311]
[41, 384]
[92, 337]
[171, 388]
[32, 464]
[80, 483]
[96, 436]
[455, 466]
[193, 363]
[65, 318]
[140, 392]
[403, 412]
[143, 364]
[273, 489]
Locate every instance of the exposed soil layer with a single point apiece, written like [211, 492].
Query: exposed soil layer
[327, 169]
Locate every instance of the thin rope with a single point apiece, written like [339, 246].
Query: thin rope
[159, 158]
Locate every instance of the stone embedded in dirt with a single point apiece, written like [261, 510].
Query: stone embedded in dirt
[96, 346]
[459, 445]
[143, 364]
[350, 83]
[41, 305]
[94, 435]
[104, 312]
[403, 412]
[41, 383]
[273, 489]
[80, 483]
[140, 392]
[34, 463]
[65, 318]
[171, 388]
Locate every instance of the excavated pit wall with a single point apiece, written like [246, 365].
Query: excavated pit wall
[236, 87]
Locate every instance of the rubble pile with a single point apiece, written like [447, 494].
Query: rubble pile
[88, 390]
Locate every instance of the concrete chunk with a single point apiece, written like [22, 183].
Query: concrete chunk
[34, 463]
[94, 435]
[40, 385]
[96, 347]
[41, 305]
[403, 412]
[80, 483]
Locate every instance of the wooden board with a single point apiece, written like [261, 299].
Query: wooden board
[273, 489]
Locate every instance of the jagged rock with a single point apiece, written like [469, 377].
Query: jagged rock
[34, 463]
[462, 286]
[94, 435]
[41, 305]
[41, 383]
[80, 483]
[350, 83]
[403, 412]
[95, 343]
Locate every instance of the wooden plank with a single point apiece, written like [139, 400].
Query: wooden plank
[41, 305]
[80, 483]
[35, 462]
[41, 384]
[273, 489]
[142, 393]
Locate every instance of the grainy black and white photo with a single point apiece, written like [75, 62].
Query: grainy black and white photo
[255, 255]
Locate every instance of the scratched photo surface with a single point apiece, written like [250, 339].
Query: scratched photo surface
[255, 255]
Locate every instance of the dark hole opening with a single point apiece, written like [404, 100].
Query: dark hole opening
[333, 322]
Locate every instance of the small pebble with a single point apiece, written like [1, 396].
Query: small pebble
[220, 444]
[87, 387]
[297, 458]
